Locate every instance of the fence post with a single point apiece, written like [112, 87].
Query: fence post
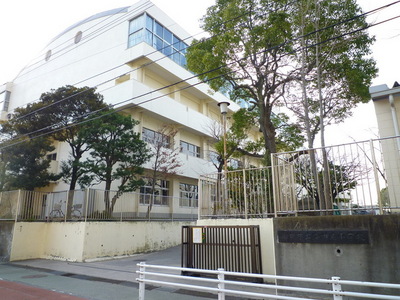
[142, 269]
[245, 194]
[275, 189]
[221, 284]
[18, 206]
[375, 166]
[336, 287]
[87, 203]
[66, 207]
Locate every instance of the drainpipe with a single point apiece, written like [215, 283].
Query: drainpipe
[394, 119]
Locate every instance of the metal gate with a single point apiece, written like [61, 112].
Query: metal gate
[234, 248]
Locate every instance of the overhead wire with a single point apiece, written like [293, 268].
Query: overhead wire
[157, 51]
[144, 65]
[189, 86]
[87, 37]
[267, 50]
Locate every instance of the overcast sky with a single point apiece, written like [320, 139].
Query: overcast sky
[27, 26]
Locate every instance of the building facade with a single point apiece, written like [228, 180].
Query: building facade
[135, 57]
[387, 108]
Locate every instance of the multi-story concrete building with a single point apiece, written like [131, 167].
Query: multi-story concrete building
[387, 108]
[135, 56]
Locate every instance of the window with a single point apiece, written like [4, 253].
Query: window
[190, 149]
[214, 157]
[78, 37]
[52, 156]
[5, 100]
[235, 163]
[188, 195]
[146, 29]
[136, 31]
[48, 55]
[154, 138]
[161, 190]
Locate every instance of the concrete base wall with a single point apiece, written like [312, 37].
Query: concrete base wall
[377, 260]
[79, 241]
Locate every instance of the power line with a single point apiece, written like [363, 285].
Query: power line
[85, 38]
[145, 65]
[230, 63]
[195, 76]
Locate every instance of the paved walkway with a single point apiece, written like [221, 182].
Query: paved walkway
[97, 280]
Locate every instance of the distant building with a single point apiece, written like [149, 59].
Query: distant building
[133, 55]
[387, 108]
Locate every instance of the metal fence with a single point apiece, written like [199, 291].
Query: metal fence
[89, 204]
[234, 248]
[355, 178]
[333, 288]
[245, 193]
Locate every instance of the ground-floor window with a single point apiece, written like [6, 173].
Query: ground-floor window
[161, 192]
[188, 195]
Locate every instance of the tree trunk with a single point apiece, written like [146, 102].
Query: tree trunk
[326, 201]
[310, 139]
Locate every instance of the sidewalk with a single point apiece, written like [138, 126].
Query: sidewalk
[97, 280]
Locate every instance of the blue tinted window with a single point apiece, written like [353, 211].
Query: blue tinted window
[146, 29]
[136, 24]
[149, 23]
[148, 37]
[135, 38]
[159, 29]
[167, 36]
[158, 43]
[176, 57]
[176, 42]
[167, 49]
[183, 60]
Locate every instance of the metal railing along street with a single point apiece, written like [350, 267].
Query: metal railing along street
[333, 288]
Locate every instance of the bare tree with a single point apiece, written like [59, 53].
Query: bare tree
[165, 160]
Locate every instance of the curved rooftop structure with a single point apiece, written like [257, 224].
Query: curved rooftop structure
[94, 17]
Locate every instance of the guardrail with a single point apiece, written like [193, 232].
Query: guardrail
[219, 285]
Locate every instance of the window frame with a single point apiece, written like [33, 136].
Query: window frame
[195, 152]
[157, 36]
[155, 138]
[161, 192]
[189, 194]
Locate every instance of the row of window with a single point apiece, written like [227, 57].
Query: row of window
[188, 193]
[144, 28]
[155, 138]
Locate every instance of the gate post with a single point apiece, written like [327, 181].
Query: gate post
[221, 284]
[336, 287]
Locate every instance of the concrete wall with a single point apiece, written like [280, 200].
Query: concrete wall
[266, 238]
[377, 260]
[6, 233]
[104, 239]
[79, 241]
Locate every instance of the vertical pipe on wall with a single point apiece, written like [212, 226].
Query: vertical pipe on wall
[394, 120]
